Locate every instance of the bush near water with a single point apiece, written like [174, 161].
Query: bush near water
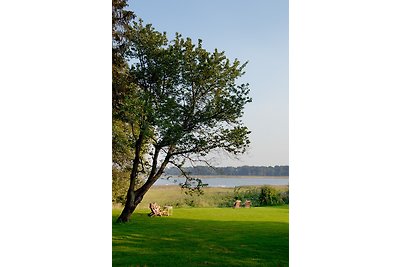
[262, 196]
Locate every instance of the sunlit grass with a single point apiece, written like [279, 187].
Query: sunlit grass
[204, 237]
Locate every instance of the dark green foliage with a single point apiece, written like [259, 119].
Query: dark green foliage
[247, 193]
[186, 97]
[269, 196]
[121, 26]
[285, 196]
[121, 142]
[120, 181]
[261, 196]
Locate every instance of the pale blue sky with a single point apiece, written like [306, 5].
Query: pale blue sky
[257, 31]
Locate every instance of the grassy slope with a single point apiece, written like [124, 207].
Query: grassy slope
[204, 237]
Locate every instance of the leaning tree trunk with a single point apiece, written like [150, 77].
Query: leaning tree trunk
[132, 201]
[130, 196]
[133, 197]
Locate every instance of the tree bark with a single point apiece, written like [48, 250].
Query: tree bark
[135, 197]
[131, 196]
[129, 207]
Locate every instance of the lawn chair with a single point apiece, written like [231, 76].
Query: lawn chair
[156, 210]
[237, 204]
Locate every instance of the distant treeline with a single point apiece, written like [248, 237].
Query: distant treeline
[237, 171]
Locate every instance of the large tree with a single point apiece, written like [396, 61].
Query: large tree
[181, 103]
[122, 153]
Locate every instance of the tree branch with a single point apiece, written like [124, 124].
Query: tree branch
[153, 178]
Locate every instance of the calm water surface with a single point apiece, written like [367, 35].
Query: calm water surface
[227, 181]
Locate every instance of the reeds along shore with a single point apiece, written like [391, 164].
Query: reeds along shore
[212, 197]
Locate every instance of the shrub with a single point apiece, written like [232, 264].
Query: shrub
[285, 196]
[269, 196]
[247, 193]
[260, 196]
[120, 185]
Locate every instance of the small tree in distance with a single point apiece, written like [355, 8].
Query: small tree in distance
[182, 103]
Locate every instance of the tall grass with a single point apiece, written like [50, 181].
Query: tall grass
[212, 197]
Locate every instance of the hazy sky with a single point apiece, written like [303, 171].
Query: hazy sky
[256, 31]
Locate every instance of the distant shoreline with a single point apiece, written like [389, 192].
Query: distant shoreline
[228, 176]
[218, 188]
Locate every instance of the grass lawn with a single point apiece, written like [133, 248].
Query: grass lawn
[204, 237]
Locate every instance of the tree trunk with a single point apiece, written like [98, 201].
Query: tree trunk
[129, 207]
[133, 200]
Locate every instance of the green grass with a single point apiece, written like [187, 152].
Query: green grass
[204, 237]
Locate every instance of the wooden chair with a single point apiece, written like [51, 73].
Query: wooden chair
[156, 210]
[237, 204]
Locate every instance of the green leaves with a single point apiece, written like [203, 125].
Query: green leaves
[185, 94]
[121, 142]
[182, 99]
[172, 101]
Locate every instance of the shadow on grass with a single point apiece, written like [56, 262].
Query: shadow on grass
[169, 241]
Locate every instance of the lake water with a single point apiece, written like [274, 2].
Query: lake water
[227, 181]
